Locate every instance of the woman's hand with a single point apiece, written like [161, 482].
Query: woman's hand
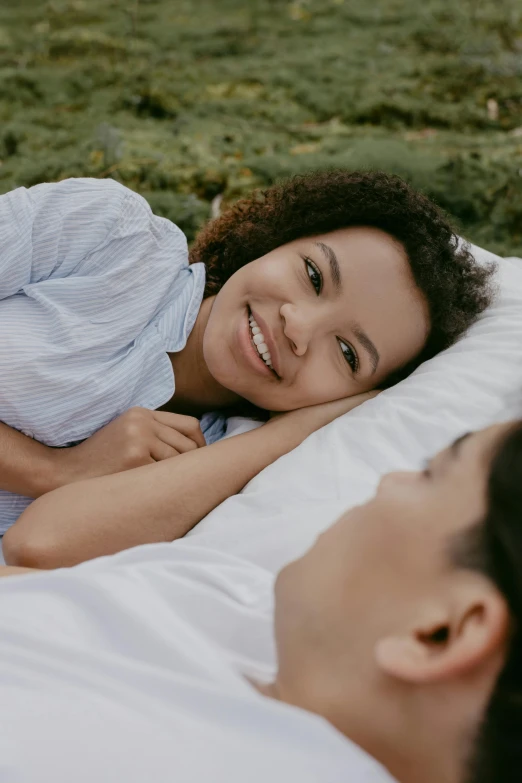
[137, 437]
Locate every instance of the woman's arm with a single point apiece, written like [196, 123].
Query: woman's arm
[103, 237]
[27, 467]
[158, 502]
[137, 437]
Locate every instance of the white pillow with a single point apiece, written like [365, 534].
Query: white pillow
[474, 383]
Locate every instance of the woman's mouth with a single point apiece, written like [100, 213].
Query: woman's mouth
[254, 346]
[258, 341]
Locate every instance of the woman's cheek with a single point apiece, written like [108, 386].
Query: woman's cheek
[317, 386]
[271, 277]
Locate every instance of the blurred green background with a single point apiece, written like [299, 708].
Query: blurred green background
[186, 100]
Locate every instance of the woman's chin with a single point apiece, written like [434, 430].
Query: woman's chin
[243, 394]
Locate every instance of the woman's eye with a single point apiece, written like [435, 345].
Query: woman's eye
[315, 275]
[350, 355]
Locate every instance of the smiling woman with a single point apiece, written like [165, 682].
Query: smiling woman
[328, 329]
[301, 299]
[353, 278]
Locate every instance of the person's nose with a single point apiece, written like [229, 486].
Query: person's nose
[298, 327]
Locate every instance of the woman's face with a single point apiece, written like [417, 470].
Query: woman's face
[336, 313]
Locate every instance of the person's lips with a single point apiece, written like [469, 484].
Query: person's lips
[248, 349]
[270, 341]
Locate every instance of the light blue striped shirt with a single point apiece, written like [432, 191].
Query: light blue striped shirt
[94, 291]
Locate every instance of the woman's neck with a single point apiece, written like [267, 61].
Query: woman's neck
[196, 389]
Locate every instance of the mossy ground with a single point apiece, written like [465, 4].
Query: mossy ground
[186, 99]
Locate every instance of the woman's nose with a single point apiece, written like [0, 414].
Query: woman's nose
[297, 327]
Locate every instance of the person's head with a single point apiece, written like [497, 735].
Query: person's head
[352, 278]
[401, 625]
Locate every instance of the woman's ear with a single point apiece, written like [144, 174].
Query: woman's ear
[454, 635]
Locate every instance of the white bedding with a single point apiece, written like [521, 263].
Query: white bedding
[474, 383]
[132, 668]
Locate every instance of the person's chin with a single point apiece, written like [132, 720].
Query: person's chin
[226, 373]
[239, 376]
[234, 386]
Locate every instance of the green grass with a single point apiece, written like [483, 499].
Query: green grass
[186, 99]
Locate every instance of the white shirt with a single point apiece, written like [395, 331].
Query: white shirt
[94, 291]
[132, 668]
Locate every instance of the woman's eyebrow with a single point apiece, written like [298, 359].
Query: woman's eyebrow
[335, 269]
[368, 345]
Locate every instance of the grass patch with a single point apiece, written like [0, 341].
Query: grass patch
[186, 99]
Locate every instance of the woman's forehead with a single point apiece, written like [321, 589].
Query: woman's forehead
[368, 267]
[364, 239]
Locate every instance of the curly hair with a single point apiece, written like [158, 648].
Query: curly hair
[456, 288]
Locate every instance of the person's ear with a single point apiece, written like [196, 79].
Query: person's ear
[453, 636]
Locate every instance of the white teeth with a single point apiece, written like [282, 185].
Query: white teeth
[259, 341]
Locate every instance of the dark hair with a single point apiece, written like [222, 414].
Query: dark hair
[456, 288]
[494, 547]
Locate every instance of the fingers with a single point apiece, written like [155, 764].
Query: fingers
[174, 439]
[160, 451]
[186, 425]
